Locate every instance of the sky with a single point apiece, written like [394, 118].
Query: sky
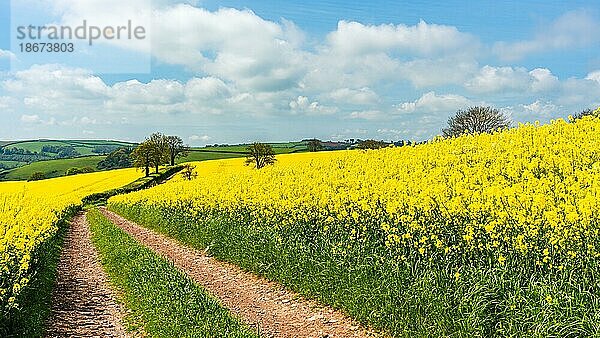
[239, 71]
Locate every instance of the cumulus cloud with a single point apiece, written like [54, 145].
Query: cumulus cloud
[517, 79]
[539, 108]
[354, 38]
[573, 29]
[303, 105]
[431, 102]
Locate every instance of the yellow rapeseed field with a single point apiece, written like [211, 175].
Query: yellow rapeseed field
[530, 191]
[29, 212]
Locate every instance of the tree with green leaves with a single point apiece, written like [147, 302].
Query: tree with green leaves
[37, 176]
[159, 150]
[476, 120]
[372, 144]
[176, 148]
[260, 155]
[120, 158]
[314, 145]
[143, 156]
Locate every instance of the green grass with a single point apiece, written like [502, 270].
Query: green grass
[412, 298]
[52, 168]
[163, 299]
[13, 164]
[36, 300]
[83, 146]
[196, 156]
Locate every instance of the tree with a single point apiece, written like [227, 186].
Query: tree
[476, 120]
[176, 148]
[260, 155]
[73, 171]
[120, 158]
[372, 144]
[188, 172]
[158, 150]
[142, 156]
[37, 176]
[314, 145]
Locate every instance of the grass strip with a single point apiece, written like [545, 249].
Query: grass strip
[165, 300]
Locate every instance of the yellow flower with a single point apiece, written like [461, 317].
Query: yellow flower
[501, 260]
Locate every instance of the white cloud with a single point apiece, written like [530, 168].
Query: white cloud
[362, 96]
[7, 54]
[203, 138]
[541, 109]
[543, 80]
[594, 76]
[573, 29]
[367, 115]
[496, 79]
[30, 119]
[303, 105]
[431, 102]
[354, 38]
[516, 79]
[156, 92]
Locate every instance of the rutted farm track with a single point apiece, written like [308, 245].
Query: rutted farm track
[83, 304]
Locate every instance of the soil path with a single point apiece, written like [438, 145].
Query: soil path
[82, 303]
[264, 305]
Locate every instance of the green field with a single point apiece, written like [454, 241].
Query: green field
[84, 147]
[196, 156]
[279, 148]
[51, 168]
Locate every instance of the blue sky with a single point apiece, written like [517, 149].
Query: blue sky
[237, 71]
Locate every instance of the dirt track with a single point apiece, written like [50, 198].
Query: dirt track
[82, 303]
[260, 303]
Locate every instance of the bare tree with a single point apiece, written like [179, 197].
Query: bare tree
[260, 154]
[476, 120]
[176, 148]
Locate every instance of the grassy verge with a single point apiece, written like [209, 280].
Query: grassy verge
[36, 300]
[411, 298]
[161, 297]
